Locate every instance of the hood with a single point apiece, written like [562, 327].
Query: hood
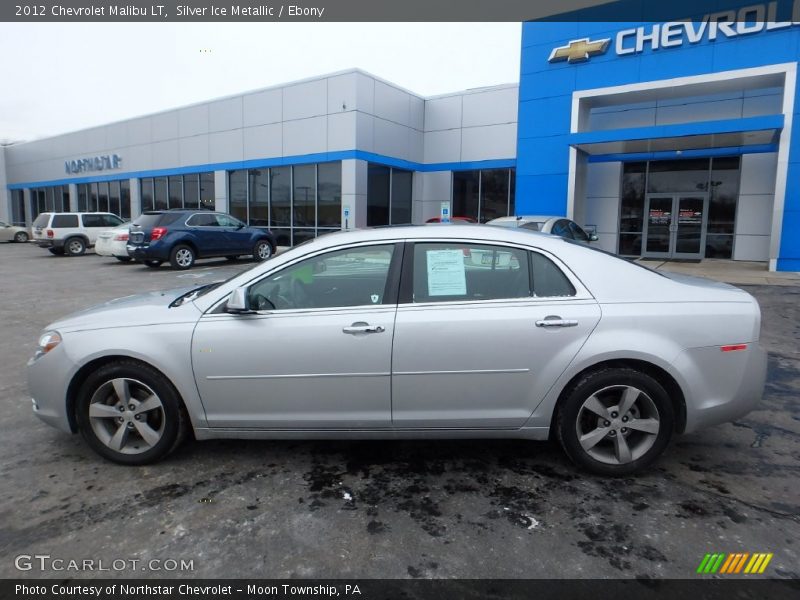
[151, 308]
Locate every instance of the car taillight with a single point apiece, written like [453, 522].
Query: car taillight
[50, 233]
[121, 237]
[157, 233]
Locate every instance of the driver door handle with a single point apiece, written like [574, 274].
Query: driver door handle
[362, 327]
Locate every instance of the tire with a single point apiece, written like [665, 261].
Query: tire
[118, 435]
[21, 237]
[620, 442]
[153, 264]
[182, 257]
[262, 251]
[74, 246]
[123, 258]
[56, 251]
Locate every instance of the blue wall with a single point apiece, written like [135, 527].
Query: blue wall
[546, 89]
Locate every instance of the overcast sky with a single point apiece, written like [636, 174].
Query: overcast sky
[58, 78]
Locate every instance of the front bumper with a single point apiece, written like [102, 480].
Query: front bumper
[48, 380]
[721, 386]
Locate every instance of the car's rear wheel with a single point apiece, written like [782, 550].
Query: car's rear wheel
[123, 258]
[56, 251]
[21, 237]
[153, 264]
[74, 246]
[262, 250]
[130, 413]
[615, 421]
[182, 257]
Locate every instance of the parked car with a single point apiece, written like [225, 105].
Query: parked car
[395, 333]
[71, 233]
[12, 233]
[559, 226]
[183, 236]
[114, 242]
[452, 220]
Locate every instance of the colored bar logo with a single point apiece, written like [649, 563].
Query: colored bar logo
[735, 563]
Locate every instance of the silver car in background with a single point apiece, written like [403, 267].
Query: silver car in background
[411, 332]
[560, 226]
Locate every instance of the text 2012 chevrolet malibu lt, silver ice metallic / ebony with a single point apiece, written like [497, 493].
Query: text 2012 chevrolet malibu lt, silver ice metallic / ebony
[440, 331]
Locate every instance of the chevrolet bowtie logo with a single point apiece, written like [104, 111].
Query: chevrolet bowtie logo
[579, 50]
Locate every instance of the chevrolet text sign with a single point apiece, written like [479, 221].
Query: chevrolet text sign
[93, 163]
[728, 23]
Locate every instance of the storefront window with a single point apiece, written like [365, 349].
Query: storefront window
[494, 194]
[146, 187]
[175, 191]
[484, 195]
[401, 197]
[466, 192]
[259, 197]
[237, 188]
[378, 177]
[305, 196]
[207, 199]
[191, 191]
[160, 193]
[125, 199]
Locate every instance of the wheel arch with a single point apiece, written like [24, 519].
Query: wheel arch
[90, 367]
[667, 381]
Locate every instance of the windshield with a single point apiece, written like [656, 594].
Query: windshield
[607, 253]
[533, 225]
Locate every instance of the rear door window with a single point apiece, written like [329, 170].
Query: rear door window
[63, 221]
[111, 220]
[451, 272]
[202, 220]
[93, 221]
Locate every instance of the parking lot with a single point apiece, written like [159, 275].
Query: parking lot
[473, 509]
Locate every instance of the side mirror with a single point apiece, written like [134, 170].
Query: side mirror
[593, 237]
[238, 303]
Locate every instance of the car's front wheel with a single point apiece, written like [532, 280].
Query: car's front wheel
[129, 413]
[75, 246]
[615, 421]
[262, 250]
[21, 237]
[182, 257]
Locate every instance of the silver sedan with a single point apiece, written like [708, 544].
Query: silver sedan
[457, 332]
[560, 226]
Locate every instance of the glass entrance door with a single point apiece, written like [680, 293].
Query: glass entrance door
[675, 225]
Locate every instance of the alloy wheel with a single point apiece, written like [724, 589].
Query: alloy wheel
[127, 416]
[617, 424]
[184, 257]
[264, 251]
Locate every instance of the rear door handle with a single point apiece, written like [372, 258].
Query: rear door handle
[555, 321]
[361, 327]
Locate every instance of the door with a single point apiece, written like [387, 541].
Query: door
[316, 352]
[675, 226]
[208, 233]
[486, 332]
[237, 235]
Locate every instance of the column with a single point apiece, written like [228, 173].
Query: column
[354, 192]
[26, 201]
[221, 191]
[73, 197]
[136, 198]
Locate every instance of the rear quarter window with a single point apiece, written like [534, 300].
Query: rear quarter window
[41, 220]
[64, 221]
[548, 280]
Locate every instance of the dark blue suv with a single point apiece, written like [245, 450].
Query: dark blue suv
[183, 236]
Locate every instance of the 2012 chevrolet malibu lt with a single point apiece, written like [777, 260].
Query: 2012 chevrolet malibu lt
[439, 331]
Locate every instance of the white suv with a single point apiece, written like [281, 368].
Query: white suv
[71, 233]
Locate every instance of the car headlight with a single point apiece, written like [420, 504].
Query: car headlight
[47, 341]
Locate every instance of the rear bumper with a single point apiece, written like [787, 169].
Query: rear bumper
[148, 252]
[49, 243]
[721, 386]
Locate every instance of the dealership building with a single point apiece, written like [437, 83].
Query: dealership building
[668, 139]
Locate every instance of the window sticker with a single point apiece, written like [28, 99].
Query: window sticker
[446, 273]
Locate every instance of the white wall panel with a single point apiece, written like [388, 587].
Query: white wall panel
[224, 115]
[165, 154]
[754, 214]
[164, 126]
[365, 93]
[193, 150]
[306, 136]
[139, 131]
[443, 113]
[603, 213]
[262, 108]
[491, 141]
[758, 173]
[436, 186]
[342, 93]
[416, 115]
[751, 247]
[225, 146]
[263, 141]
[603, 179]
[391, 103]
[365, 132]
[305, 100]
[391, 139]
[443, 146]
[342, 131]
[490, 107]
[699, 111]
[193, 120]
